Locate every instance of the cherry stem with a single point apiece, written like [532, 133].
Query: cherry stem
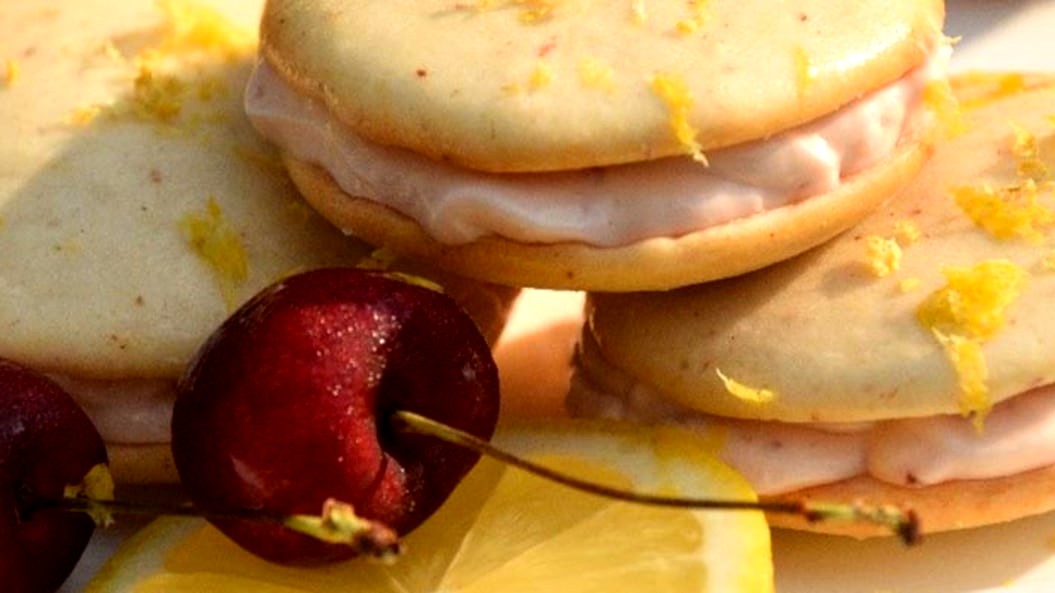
[905, 524]
[337, 524]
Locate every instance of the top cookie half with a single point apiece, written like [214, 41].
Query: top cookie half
[509, 86]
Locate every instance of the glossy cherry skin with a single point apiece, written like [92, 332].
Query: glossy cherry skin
[47, 443]
[286, 405]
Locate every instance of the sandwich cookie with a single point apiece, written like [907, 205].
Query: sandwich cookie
[610, 146]
[909, 361]
[138, 207]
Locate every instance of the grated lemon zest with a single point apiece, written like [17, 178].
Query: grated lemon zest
[745, 393]
[972, 373]
[156, 97]
[536, 11]
[541, 76]
[907, 232]
[97, 484]
[676, 96]
[219, 245]
[884, 255]
[938, 96]
[908, 284]
[193, 25]
[805, 71]
[1026, 149]
[967, 311]
[695, 21]
[1012, 211]
[12, 72]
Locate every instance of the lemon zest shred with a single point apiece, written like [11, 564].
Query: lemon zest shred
[805, 71]
[972, 374]
[962, 315]
[217, 243]
[745, 393]
[678, 100]
[12, 72]
[193, 25]
[1047, 262]
[541, 76]
[884, 255]
[938, 96]
[974, 299]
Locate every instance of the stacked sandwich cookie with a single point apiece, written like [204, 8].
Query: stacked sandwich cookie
[605, 146]
[616, 148]
[138, 207]
[909, 361]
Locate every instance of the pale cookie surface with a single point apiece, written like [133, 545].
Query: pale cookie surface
[138, 206]
[828, 338]
[534, 86]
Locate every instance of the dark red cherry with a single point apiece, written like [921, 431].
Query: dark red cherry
[46, 444]
[286, 406]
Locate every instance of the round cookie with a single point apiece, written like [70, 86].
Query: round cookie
[825, 331]
[528, 101]
[489, 171]
[138, 207]
[934, 312]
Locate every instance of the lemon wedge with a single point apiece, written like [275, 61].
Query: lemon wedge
[505, 530]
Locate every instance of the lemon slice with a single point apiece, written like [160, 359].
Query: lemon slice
[505, 530]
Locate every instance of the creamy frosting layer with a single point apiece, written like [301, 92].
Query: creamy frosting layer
[129, 411]
[604, 206]
[779, 457]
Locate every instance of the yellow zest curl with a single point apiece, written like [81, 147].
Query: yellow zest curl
[675, 94]
[743, 392]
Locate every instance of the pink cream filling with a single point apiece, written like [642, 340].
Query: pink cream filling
[780, 457]
[604, 206]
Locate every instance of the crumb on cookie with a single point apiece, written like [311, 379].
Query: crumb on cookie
[884, 255]
[12, 72]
